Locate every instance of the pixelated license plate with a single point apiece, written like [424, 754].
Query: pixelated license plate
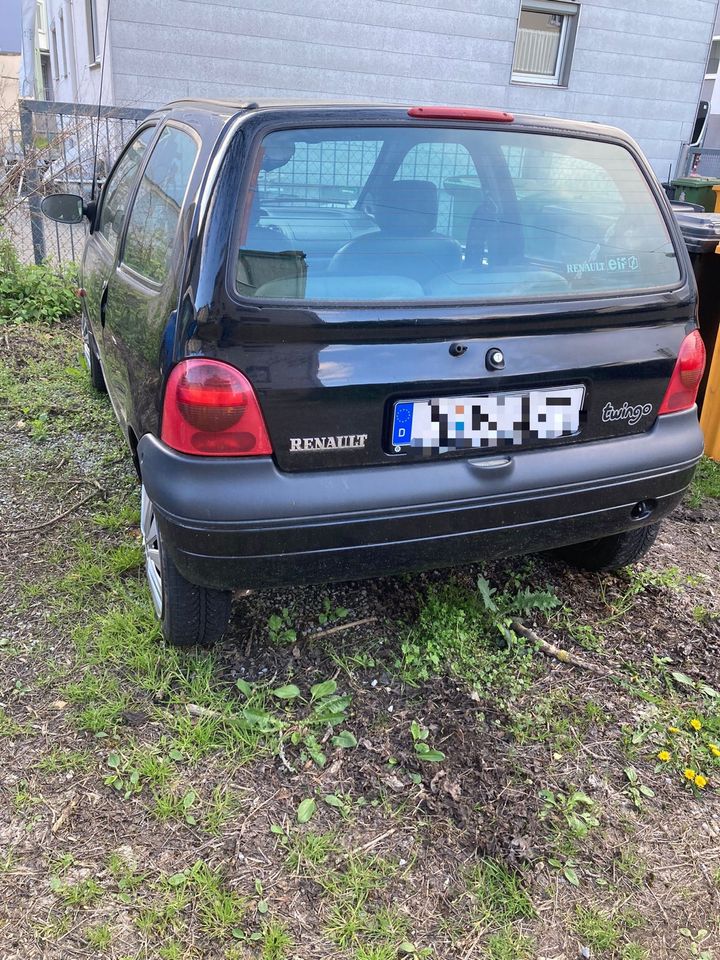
[497, 420]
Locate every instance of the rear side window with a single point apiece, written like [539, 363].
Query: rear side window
[156, 210]
[119, 186]
[410, 213]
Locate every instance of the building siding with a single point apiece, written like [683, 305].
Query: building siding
[78, 80]
[637, 68]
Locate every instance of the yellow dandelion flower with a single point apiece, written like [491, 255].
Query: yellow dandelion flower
[696, 724]
[664, 756]
[714, 750]
[700, 781]
[689, 773]
[673, 729]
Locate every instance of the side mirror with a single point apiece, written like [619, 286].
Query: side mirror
[63, 207]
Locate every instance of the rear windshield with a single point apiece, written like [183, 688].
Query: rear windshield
[409, 213]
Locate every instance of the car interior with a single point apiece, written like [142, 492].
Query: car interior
[485, 233]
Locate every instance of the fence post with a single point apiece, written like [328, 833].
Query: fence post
[32, 183]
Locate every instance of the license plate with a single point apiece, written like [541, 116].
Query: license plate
[497, 420]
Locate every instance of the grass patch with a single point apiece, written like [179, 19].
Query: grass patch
[498, 895]
[596, 929]
[558, 720]
[276, 942]
[99, 937]
[706, 483]
[66, 761]
[306, 851]
[509, 945]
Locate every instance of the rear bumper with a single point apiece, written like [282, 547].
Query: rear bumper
[231, 523]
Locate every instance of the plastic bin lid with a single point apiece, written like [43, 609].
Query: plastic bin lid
[695, 181]
[700, 230]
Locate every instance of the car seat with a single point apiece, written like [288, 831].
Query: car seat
[406, 244]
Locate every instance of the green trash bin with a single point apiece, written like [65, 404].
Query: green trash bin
[696, 190]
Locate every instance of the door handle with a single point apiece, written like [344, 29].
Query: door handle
[491, 463]
[103, 303]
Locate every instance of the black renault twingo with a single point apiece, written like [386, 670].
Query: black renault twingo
[349, 341]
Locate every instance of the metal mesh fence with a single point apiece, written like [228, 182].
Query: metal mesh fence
[703, 163]
[46, 148]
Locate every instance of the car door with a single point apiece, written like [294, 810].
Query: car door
[102, 244]
[141, 294]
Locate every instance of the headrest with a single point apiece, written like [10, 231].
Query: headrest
[406, 208]
[504, 239]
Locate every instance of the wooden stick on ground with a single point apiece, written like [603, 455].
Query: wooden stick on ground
[550, 650]
[54, 520]
[340, 628]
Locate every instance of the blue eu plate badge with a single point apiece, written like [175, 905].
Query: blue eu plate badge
[402, 424]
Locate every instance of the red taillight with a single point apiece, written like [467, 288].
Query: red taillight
[689, 367]
[210, 409]
[461, 113]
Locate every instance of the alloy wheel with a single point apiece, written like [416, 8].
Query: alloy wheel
[151, 542]
[87, 346]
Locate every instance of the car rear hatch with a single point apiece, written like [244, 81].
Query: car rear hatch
[438, 288]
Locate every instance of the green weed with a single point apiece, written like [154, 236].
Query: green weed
[34, 294]
[468, 635]
[423, 750]
[176, 806]
[575, 808]
[280, 629]
[81, 894]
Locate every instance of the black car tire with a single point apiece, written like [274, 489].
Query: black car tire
[611, 553]
[92, 361]
[190, 615]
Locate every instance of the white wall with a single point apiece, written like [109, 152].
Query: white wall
[79, 79]
[638, 64]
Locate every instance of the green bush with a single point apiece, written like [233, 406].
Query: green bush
[34, 294]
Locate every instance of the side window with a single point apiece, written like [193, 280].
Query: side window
[156, 211]
[118, 187]
[450, 167]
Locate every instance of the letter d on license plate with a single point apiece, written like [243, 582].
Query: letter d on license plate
[498, 420]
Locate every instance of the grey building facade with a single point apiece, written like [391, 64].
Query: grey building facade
[639, 64]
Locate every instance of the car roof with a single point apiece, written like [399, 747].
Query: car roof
[371, 111]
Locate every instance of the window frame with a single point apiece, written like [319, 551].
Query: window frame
[713, 76]
[130, 271]
[63, 45]
[93, 32]
[570, 13]
[54, 58]
[46, 75]
[253, 141]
